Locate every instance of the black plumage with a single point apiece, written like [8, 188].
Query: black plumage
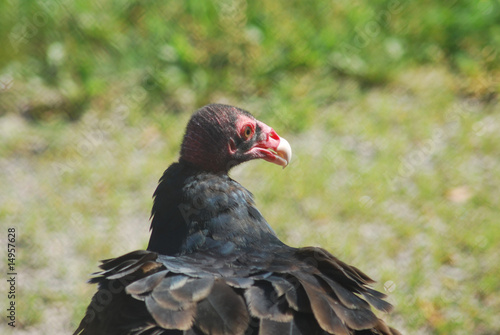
[215, 266]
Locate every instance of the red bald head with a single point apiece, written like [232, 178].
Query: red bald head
[219, 137]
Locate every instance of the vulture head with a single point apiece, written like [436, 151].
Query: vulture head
[219, 137]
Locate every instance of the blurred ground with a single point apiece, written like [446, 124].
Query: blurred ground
[391, 109]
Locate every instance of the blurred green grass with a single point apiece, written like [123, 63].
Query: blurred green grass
[391, 109]
[65, 57]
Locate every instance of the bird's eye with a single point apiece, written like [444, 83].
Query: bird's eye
[247, 132]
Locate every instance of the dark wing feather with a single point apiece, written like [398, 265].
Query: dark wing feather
[347, 298]
[168, 317]
[292, 289]
[375, 298]
[223, 312]
[194, 289]
[322, 309]
[165, 299]
[146, 284]
[239, 282]
[264, 303]
[270, 327]
[279, 291]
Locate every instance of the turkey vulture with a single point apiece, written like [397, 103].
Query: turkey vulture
[214, 265]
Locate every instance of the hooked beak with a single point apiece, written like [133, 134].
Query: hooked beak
[272, 147]
[283, 153]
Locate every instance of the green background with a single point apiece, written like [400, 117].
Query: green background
[391, 108]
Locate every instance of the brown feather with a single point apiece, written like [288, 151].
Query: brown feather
[324, 313]
[264, 303]
[146, 284]
[269, 327]
[194, 289]
[222, 312]
[168, 318]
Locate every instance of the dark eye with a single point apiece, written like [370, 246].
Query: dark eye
[247, 132]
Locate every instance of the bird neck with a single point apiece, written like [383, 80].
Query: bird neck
[194, 209]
